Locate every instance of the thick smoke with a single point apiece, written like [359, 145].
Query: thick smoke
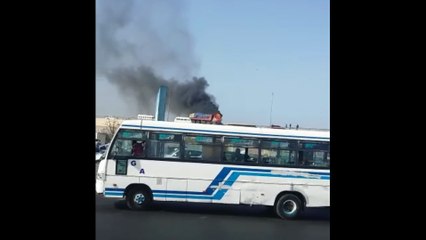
[184, 97]
[141, 45]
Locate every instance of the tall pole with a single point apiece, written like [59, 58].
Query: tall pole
[270, 115]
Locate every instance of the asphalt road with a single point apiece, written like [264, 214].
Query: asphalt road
[205, 221]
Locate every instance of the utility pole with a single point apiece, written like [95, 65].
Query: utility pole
[270, 115]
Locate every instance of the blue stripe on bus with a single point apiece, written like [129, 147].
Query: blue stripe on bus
[114, 189]
[223, 132]
[181, 196]
[114, 193]
[318, 173]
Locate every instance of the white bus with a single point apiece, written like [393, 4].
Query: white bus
[147, 161]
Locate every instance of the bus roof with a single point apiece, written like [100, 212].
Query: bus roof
[227, 130]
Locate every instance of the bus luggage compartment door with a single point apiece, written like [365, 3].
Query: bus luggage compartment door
[176, 190]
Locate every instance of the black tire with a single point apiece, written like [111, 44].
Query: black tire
[138, 198]
[288, 206]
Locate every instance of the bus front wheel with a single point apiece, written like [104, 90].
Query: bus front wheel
[138, 198]
[288, 206]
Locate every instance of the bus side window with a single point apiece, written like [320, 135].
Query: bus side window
[278, 152]
[202, 148]
[302, 159]
[121, 147]
[320, 159]
[286, 157]
[269, 156]
[313, 159]
[164, 145]
[241, 150]
[124, 143]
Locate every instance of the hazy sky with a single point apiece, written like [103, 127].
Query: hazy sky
[245, 49]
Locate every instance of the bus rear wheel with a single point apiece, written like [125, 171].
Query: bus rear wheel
[138, 198]
[288, 206]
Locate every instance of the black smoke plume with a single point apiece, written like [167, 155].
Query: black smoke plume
[183, 97]
[141, 45]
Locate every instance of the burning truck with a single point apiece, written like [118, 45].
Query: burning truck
[209, 118]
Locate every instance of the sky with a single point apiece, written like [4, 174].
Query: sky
[264, 61]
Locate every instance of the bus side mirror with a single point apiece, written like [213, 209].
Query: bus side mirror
[99, 156]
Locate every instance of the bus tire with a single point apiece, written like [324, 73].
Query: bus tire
[288, 206]
[138, 198]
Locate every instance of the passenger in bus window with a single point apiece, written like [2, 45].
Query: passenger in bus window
[237, 156]
[138, 149]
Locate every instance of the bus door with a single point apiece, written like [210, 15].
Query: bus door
[122, 159]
